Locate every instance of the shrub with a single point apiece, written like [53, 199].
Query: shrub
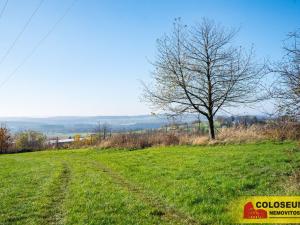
[164, 139]
[30, 141]
[139, 141]
[283, 130]
[128, 141]
[5, 140]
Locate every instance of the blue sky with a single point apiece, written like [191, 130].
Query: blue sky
[93, 61]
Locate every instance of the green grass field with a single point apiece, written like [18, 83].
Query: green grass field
[165, 185]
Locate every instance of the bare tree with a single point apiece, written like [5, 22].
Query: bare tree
[102, 130]
[287, 86]
[199, 70]
[105, 128]
[98, 130]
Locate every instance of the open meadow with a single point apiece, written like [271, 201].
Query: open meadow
[159, 185]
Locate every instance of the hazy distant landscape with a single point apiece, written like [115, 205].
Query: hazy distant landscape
[69, 125]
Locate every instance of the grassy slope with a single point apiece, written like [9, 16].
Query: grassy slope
[170, 185]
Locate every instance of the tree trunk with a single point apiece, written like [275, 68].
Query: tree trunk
[211, 127]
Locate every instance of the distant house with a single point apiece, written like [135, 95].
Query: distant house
[61, 142]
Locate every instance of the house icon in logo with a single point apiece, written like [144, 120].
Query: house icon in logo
[251, 213]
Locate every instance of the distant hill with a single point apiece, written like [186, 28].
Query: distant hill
[68, 125]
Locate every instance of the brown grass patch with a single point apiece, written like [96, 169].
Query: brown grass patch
[140, 141]
[241, 134]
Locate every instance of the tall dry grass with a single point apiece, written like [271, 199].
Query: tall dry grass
[241, 134]
[282, 130]
[139, 141]
[238, 134]
[277, 131]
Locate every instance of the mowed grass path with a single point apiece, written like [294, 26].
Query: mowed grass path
[164, 185]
